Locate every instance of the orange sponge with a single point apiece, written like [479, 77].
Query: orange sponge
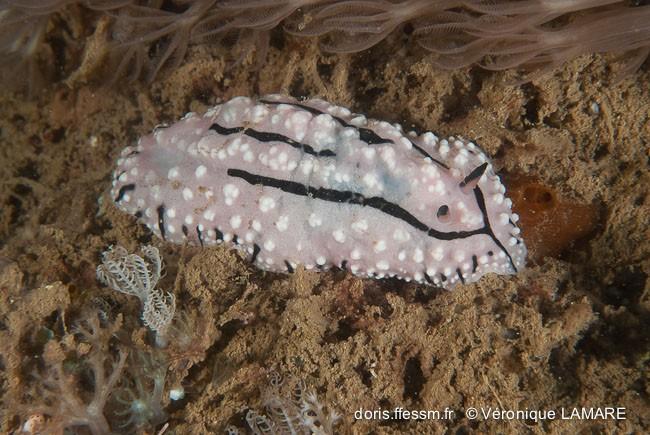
[549, 223]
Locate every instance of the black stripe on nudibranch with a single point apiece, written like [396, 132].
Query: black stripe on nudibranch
[475, 175]
[474, 263]
[256, 251]
[199, 234]
[224, 130]
[426, 154]
[264, 136]
[185, 230]
[369, 136]
[348, 197]
[344, 264]
[365, 134]
[428, 278]
[289, 266]
[480, 201]
[218, 233]
[460, 275]
[161, 220]
[376, 202]
[123, 190]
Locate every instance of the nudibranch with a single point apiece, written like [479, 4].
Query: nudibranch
[305, 182]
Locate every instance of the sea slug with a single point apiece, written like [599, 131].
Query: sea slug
[307, 182]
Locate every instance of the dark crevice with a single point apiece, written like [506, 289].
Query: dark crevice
[277, 39]
[364, 374]
[563, 367]
[325, 70]
[464, 97]
[345, 329]
[626, 288]
[531, 108]
[600, 152]
[29, 170]
[297, 86]
[374, 295]
[414, 379]
[174, 6]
